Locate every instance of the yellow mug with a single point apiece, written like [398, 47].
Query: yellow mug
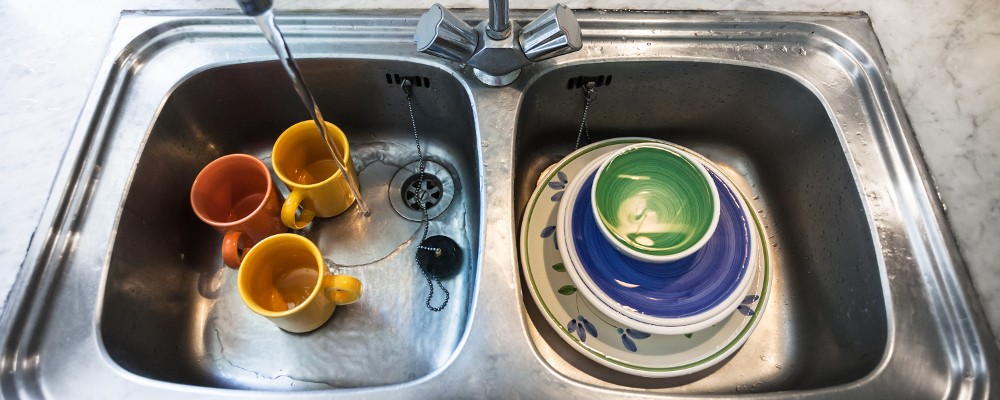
[303, 162]
[285, 279]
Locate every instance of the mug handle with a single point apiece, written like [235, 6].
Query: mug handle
[289, 208]
[341, 289]
[230, 249]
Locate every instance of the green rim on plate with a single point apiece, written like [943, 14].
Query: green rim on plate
[654, 200]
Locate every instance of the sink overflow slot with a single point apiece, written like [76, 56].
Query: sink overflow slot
[581, 81]
[418, 81]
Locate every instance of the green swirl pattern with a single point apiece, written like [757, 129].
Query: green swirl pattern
[654, 200]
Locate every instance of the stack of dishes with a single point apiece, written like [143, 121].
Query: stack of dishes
[645, 257]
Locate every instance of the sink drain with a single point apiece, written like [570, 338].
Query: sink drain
[417, 195]
[405, 194]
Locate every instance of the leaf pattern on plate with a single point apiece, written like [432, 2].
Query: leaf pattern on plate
[744, 306]
[636, 334]
[591, 329]
[567, 290]
[560, 267]
[575, 326]
[551, 231]
[548, 231]
[628, 335]
[559, 184]
[629, 344]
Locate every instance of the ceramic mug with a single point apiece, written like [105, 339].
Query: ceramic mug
[236, 196]
[285, 279]
[303, 162]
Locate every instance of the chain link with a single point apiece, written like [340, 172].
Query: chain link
[423, 206]
[588, 96]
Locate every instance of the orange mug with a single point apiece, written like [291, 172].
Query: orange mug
[236, 196]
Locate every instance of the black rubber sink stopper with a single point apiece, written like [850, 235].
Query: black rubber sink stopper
[439, 256]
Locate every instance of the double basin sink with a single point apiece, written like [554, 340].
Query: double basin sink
[124, 294]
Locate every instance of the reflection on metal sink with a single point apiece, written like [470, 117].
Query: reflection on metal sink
[172, 312]
[123, 294]
[826, 321]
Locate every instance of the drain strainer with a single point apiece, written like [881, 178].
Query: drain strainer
[426, 195]
[405, 194]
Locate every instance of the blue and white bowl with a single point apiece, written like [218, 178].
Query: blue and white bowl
[678, 297]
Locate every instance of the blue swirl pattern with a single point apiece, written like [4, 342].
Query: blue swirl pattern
[677, 289]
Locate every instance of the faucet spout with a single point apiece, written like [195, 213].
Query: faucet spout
[499, 26]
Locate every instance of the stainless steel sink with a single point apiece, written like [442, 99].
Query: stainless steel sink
[124, 295]
[826, 323]
[170, 309]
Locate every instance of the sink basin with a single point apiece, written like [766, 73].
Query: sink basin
[172, 312]
[826, 321]
[123, 294]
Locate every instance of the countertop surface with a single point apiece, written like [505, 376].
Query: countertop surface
[944, 57]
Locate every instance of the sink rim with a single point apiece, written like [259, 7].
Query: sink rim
[950, 290]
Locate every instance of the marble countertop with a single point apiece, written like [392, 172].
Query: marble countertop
[944, 57]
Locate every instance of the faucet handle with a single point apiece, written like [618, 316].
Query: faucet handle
[443, 34]
[554, 33]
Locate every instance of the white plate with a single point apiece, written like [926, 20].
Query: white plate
[613, 345]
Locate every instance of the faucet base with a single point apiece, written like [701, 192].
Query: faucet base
[496, 80]
[497, 48]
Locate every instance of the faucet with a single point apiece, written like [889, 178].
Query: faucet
[498, 48]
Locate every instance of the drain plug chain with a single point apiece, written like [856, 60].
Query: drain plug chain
[421, 195]
[588, 95]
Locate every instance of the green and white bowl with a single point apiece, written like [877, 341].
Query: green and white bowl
[654, 203]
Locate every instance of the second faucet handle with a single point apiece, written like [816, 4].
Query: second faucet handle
[441, 33]
[554, 33]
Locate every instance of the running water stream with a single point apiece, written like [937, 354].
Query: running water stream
[262, 12]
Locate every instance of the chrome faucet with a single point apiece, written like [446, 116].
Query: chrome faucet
[498, 48]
